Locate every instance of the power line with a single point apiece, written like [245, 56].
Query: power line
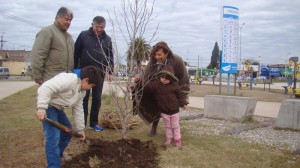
[20, 19]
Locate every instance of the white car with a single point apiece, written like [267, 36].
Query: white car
[261, 77]
[4, 72]
[121, 74]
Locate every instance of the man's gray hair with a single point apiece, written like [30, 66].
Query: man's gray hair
[99, 19]
[63, 11]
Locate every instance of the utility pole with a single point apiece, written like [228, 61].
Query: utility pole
[198, 62]
[198, 67]
[197, 70]
[259, 69]
[201, 67]
[2, 41]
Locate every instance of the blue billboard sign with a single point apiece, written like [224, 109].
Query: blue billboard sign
[230, 40]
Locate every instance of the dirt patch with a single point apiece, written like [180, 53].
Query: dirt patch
[116, 154]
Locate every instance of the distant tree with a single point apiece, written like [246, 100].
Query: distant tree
[215, 57]
[138, 51]
[251, 61]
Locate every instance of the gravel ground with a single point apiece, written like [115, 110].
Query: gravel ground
[260, 130]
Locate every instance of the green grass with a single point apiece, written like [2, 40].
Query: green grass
[21, 141]
[224, 151]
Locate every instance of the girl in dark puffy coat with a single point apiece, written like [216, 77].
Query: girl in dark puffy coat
[169, 97]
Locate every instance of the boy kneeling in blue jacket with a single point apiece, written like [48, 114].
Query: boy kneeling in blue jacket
[65, 90]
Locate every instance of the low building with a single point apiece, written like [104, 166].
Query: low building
[15, 60]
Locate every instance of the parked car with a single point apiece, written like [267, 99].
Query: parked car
[274, 72]
[121, 74]
[4, 72]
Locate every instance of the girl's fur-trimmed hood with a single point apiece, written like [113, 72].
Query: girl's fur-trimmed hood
[168, 70]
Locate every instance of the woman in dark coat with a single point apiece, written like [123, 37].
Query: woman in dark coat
[161, 55]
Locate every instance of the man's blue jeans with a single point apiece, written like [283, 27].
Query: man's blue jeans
[56, 140]
[96, 103]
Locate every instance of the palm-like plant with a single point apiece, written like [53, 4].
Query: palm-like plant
[138, 51]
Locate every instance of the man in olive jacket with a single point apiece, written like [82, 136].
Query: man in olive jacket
[53, 49]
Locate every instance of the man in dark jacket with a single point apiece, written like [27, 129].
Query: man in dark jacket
[94, 47]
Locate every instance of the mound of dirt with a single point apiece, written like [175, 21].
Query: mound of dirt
[116, 154]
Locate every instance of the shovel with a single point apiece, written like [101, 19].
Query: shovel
[66, 129]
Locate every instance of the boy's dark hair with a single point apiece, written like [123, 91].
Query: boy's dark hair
[92, 73]
[99, 19]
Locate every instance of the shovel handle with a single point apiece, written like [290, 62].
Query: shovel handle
[63, 128]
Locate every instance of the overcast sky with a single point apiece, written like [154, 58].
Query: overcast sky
[191, 27]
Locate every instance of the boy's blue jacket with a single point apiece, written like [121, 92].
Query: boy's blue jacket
[63, 91]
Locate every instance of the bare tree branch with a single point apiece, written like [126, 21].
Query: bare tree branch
[131, 21]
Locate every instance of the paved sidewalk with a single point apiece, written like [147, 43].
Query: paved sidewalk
[259, 85]
[266, 109]
[8, 88]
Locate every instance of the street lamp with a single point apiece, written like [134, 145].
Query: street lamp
[241, 28]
